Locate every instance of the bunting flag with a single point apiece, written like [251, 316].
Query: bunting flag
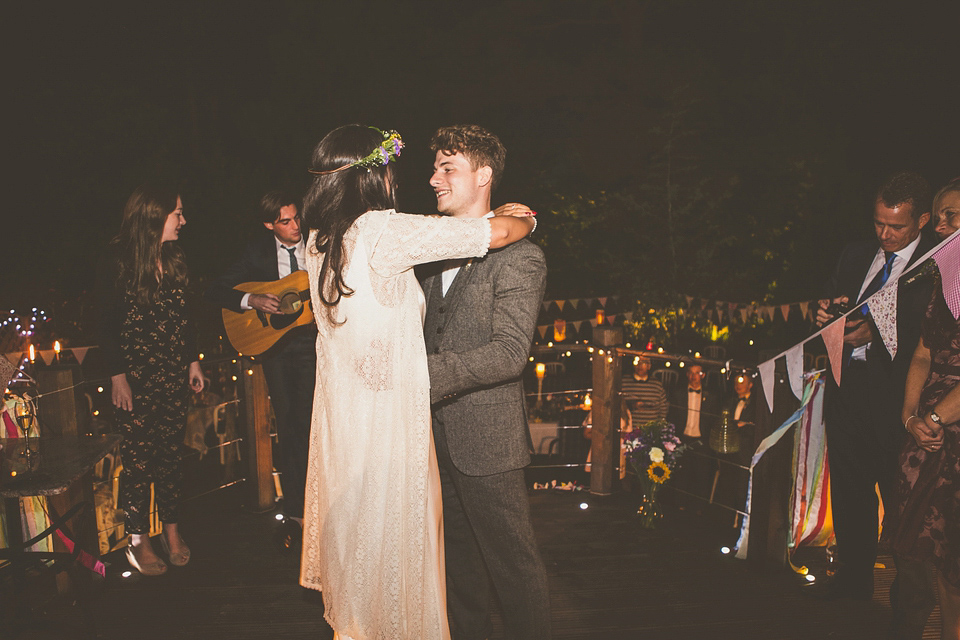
[764, 446]
[832, 335]
[948, 260]
[804, 310]
[812, 524]
[7, 371]
[785, 310]
[46, 355]
[743, 314]
[79, 353]
[574, 302]
[603, 301]
[795, 370]
[883, 310]
[766, 370]
[576, 325]
[542, 330]
[689, 301]
[560, 304]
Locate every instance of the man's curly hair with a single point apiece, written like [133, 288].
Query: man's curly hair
[906, 187]
[481, 148]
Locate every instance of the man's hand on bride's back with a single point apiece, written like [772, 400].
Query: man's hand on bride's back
[514, 209]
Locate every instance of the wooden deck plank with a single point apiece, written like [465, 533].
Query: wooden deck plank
[609, 578]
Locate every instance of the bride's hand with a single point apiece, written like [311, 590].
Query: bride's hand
[514, 209]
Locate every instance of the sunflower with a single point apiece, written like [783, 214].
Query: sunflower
[658, 472]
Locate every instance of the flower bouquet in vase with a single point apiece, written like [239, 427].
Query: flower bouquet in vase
[652, 451]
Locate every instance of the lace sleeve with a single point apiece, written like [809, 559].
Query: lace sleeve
[406, 240]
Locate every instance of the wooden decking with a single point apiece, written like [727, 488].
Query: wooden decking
[609, 578]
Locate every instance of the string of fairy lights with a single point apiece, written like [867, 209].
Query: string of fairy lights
[24, 327]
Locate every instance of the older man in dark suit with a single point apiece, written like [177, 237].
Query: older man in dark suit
[862, 414]
[290, 365]
[480, 319]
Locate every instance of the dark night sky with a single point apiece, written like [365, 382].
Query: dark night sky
[230, 98]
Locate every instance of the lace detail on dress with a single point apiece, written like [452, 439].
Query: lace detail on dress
[399, 241]
[374, 365]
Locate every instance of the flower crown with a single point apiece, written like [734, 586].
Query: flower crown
[379, 157]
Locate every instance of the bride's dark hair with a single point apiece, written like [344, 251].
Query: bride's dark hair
[335, 200]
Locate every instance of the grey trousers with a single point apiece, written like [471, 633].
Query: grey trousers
[488, 537]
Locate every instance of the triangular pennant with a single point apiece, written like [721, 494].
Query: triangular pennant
[766, 370]
[576, 325]
[574, 302]
[743, 314]
[703, 304]
[80, 353]
[883, 310]
[948, 260]
[545, 305]
[15, 358]
[795, 370]
[46, 355]
[785, 310]
[689, 301]
[769, 312]
[560, 304]
[603, 301]
[832, 335]
[542, 330]
[612, 319]
[804, 308]
[628, 316]
[593, 322]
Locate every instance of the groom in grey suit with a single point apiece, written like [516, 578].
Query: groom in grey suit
[481, 315]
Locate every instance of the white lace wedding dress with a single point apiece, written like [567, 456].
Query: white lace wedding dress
[373, 531]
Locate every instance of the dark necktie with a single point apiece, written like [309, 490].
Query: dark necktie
[293, 258]
[878, 280]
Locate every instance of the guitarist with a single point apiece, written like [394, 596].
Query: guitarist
[290, 365]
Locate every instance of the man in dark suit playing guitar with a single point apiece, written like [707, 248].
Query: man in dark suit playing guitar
[290, 365]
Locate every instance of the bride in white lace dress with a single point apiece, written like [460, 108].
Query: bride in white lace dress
[373, 529]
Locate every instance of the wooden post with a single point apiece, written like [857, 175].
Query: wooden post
[605, 440]
[259, 446]
[57, 409]
[58, 417]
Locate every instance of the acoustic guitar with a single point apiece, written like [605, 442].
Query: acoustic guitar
[252, 332]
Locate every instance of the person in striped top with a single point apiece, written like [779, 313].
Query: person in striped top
[644, 396]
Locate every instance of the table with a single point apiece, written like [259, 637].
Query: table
[60, 470]
[58, 463]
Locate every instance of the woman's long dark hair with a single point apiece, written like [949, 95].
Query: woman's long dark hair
[141, 256]
[334, 201]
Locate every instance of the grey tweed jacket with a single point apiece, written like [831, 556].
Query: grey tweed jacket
[478, 340]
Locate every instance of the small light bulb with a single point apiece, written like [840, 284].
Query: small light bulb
[725, 550]
[584, 505]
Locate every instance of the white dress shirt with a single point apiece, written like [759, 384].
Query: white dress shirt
[692, 429]
[452, 268]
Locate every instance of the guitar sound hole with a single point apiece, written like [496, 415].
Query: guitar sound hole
[290, 302]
